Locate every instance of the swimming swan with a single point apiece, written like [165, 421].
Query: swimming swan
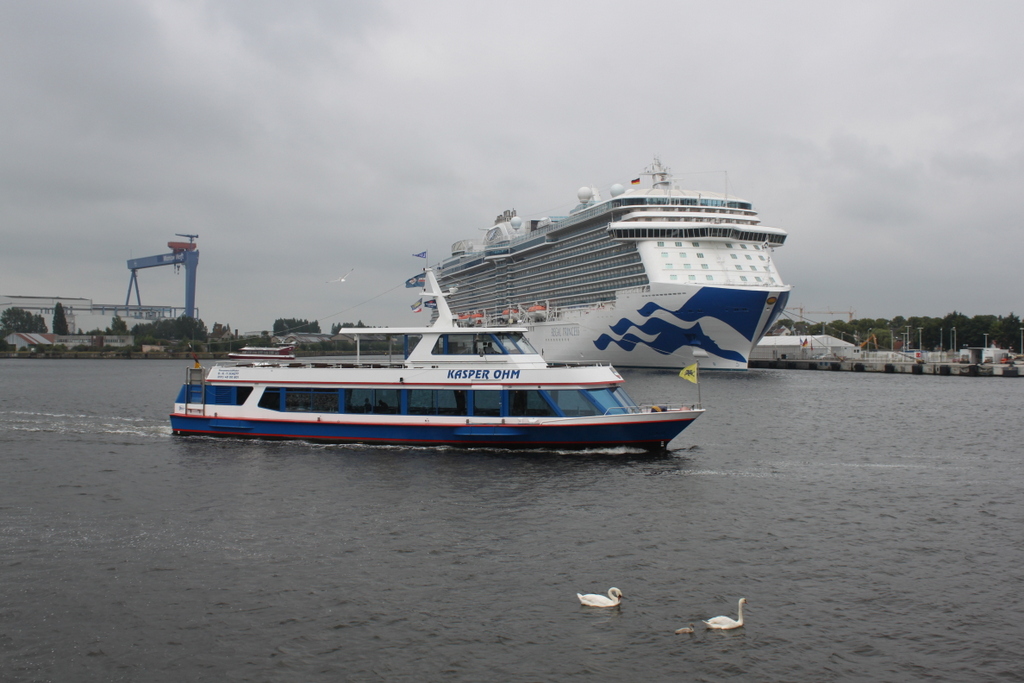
[595, 600]
[685, 629]
[726, 622]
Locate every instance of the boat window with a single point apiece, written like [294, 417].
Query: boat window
[451, 402]
[622, 397]
[572, 403]
[460, 344]
[522, 343]
[528, 404]
[486, 344]
[359, 400]
[298, 400]
[605, 400]
[421, 402]
[487, 403]
[241, 394]
[325, 400]
[271, 398]
[386, 401]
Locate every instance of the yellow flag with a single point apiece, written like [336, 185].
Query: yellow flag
[690, 373]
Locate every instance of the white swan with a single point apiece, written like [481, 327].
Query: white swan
[685, 629]
[595, 600]
[727, 622]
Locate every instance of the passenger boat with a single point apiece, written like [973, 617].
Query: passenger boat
[655, 275]
[484, 386]
[264, 353]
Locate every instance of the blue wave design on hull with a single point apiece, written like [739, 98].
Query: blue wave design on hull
[739, 309]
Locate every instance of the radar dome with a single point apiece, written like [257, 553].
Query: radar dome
[617, 189]
[585, 194]
[516, 222]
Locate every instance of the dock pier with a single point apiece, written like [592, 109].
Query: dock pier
[895, 367]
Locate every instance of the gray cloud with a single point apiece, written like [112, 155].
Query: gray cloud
[303, 139]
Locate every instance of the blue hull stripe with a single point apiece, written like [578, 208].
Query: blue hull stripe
[505, 436]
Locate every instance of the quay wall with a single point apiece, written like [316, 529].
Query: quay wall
[896, 367]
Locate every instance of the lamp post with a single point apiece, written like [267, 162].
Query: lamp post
[986, 339]
[1020, 349]
[942, 342]
[953, 347]
[919, 338]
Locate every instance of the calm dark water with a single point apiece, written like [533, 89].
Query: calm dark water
[873, 522]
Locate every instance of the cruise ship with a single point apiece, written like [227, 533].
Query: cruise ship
[653, 276]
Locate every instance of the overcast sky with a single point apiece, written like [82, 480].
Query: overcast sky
[300, 140]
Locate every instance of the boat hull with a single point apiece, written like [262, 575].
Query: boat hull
[648, 431]
[715, 327]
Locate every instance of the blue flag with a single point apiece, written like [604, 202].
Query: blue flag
[417, 280]
[422, 254]
[430, 304]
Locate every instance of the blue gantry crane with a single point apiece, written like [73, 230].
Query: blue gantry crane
[182, 253]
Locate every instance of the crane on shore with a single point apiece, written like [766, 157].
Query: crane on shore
[182, 253]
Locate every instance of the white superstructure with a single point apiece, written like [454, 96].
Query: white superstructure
[655, 276]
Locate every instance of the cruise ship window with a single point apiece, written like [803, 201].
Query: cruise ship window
[664, 254]
[743, 246]
[743, 277]
[682, 254]
[696, 244]
[704, 266]
[734, 256]
[749, 257]
[758, 279]
[673, 277]
[687, 265]
[661, 244]
[711, 277]
[739, 267]
[693, 277]
[679, 244]
[753, 267]
[668, 265]
[700, 255]
[728, 245]
[760, 257]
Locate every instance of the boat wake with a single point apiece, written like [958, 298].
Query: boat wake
[65, 423]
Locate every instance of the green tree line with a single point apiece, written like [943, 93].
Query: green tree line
[954, 330]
